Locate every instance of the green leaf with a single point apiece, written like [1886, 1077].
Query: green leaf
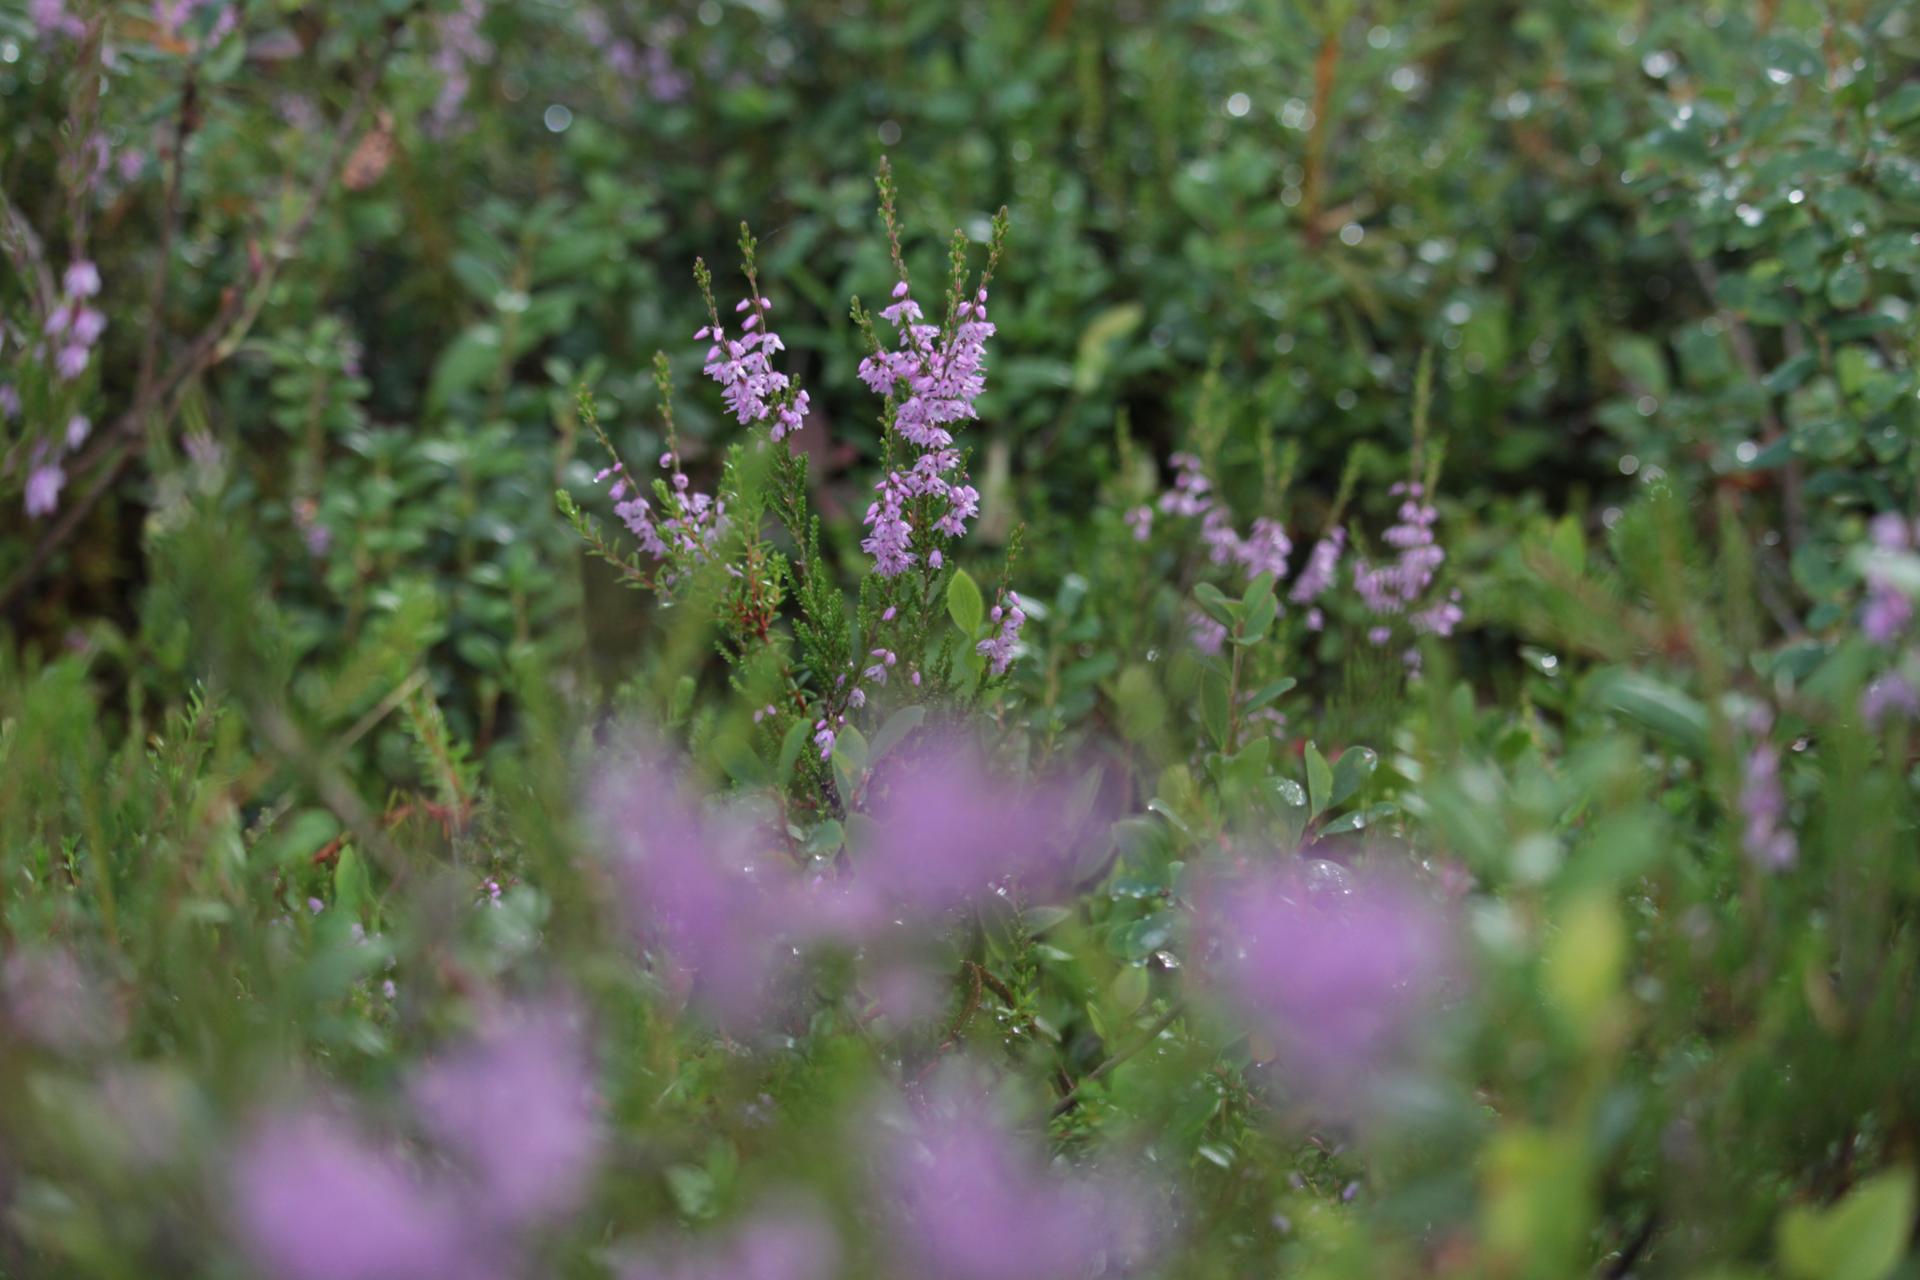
[1847, 286]
[301, 837]
[1268, 692]
[1902, 106]
[964, 604]
[1358, 820]
[1216, 603]
[1256, 617]
[894, 731]
[352, 891]
[1655, 706]
[1319, 781]
[1098, 342]
[1214, 708]
[1863, 1237]
[790, 748]
[1351, 771]
[1642, 363]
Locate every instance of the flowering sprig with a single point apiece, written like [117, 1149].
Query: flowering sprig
[753, 389]
[931, 380]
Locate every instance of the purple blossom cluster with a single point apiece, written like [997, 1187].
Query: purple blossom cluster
[1338, 970]
[687, 524]
[1398, 586]
[1765, 835]
[1265, 548]
[316, 1197]
[172, 17]
[1886, 619]
[1007, 618]
[72, 328]
[74, 325]
[753, 389]
[459, 49]
[1402, 587]
[1888, 612]
[1322, 567]
[696, 884]
[50, 999]
[649, 64]
[931, 381]
[965, 1200]
[715, 895]
[780, 1244]
[53, 18]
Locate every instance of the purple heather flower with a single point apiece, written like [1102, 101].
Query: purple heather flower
[1323, 564]
[1888, 610]
[790, 1244]
[71, 361]
[48, 998]
[944, 831]
[754, 391]
[1191, 492]
[998, 648]
[79, 427]
[461, 46]
[1889, 695]
[44, 480]
[891, 533]
[935, 381]
[1335, 969]
[693, 883]
[82, 279]
[1439, 619]
[1140, 520]
[517, 1107]
[1768, 841]
[313, 1199]
[1208, 635]
[88, 324]
[9, 402]
[966, 1200]
[1265, 549]
[50, 18]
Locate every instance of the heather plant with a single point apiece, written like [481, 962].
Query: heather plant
[1329, 693]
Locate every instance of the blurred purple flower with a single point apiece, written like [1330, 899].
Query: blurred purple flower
[1323, 564]
[1336, 968]
[784, 1245]
[314, 1200]
[1395, 587]
[1888, 610]
[1763, 807]
[517, 1106]
[44, 481]
[81, 279]
[48, 998]
[693, 883]
[946, 831]
[965, 1201]
[1209, 636]
[51, 18]
[1888, 696]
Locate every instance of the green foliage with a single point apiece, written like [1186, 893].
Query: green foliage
[304, 687]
